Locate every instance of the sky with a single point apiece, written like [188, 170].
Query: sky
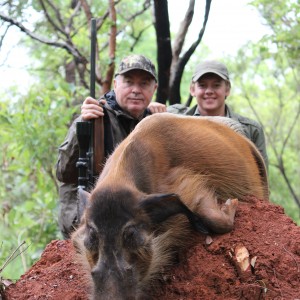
[230, 25]
[13, 62]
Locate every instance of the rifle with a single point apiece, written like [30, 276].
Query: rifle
[90, 134]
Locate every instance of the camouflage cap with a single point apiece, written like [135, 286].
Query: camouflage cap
[211, 66]
[136, 62]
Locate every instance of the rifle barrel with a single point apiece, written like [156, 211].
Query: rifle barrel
[93, 58]
[92, 94]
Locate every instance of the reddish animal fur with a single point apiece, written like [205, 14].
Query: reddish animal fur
[132, 224]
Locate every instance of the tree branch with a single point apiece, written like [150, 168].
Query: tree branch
[137, 37]
[112, 47]
[57, 13]
[194, 45]
[178, 66]
[86, 9]
[50, 20]
[3, 36]
[67, 46]
[74, 14]
[183, 29]
[146, 5]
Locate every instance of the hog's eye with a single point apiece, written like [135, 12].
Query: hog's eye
[133, 238]
[91, 238]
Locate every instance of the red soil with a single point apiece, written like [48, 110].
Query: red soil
[209, 271]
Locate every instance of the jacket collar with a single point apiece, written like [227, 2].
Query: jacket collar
[194, 111]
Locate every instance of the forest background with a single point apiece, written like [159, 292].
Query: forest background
[34, 121]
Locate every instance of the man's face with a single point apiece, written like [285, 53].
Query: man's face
[211, 91]
[134, 91]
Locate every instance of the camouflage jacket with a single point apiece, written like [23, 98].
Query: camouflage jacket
[252, 129]
[117, 125]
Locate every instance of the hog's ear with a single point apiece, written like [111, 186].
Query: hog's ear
[160, 207]
[83, 202]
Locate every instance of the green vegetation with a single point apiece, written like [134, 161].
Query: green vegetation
[32, 127]
[265, 79]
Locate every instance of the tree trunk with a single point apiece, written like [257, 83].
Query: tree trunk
[164, 50]
[112, 48]
[171, 64]
[180, 60]
[70, 71]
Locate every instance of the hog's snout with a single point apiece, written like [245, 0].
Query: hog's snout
[114, 280]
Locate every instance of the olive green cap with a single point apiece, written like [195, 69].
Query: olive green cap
[211, 66]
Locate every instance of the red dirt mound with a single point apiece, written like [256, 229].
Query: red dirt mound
[259, 259]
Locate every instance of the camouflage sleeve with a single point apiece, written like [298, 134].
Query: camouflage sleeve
[177, 109]
[258, 138]
[68, 154]
[255, 133]
[67, 209]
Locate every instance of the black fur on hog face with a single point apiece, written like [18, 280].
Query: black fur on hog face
[118, 232]
[117, 239]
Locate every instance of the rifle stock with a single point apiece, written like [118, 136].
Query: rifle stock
[98, 145]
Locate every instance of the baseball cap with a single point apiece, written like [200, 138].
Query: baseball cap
[136, 62]
[211, 66]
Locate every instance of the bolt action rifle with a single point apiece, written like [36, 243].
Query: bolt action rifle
[90, 134]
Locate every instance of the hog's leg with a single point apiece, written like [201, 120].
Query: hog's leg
[218, 218]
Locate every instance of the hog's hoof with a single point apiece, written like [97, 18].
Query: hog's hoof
[230, 206]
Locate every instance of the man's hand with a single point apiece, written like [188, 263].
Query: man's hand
[156, 107]
[91, 109]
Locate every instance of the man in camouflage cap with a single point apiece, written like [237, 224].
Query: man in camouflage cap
[126, 105]
[211, 86]
[136, 62]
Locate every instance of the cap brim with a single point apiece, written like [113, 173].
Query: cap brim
[135, 68]
[197, 76]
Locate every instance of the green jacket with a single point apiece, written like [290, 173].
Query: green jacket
[253, 130]
[117, 125]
